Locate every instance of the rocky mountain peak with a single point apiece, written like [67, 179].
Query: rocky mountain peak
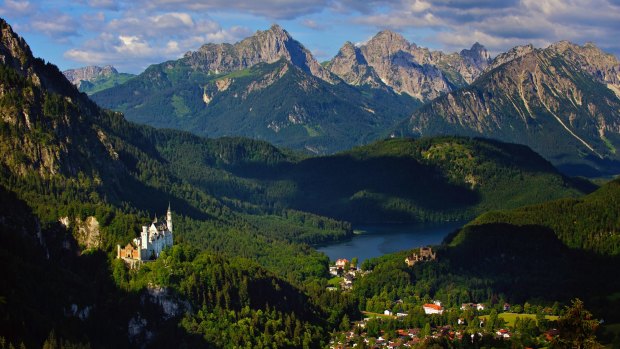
[266, 46]
[351, 52]
[590, 59]
[14, 51]
[387, 43]
[513, 53]
[477, 55]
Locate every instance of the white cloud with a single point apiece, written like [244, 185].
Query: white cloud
[57, 26]
[16, 8]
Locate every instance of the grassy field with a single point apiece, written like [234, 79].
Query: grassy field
[335, 281]
[371, 315]
[511, 317]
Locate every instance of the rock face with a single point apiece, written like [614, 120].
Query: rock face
[560, 101]
[90, 73]
[389, 59]
[266, 46]
[86, 233]
[351, 66]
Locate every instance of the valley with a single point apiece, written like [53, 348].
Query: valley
[270, 161]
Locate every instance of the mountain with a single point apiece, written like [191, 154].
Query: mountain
[591, 222]
[267, 87]
[267, 46]
[92, 79]
[388, 59]
[397, 180]
[561, 101]
[76, 76]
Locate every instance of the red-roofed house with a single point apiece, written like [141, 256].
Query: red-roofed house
[432, 309]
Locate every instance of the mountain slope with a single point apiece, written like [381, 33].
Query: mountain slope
[276, 102]
[388, 59]
[591, 222]
[555, 100]
[400, 180]
[63, 160]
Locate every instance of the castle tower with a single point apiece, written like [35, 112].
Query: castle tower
[145, 238]
[169, 218]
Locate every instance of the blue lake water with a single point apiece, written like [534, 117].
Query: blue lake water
[375, 241]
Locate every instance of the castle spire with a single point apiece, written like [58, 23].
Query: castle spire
[169, 218]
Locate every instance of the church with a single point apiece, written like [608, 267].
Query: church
[153, 239]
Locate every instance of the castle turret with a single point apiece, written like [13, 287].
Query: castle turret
[145, 238]
[169, 218]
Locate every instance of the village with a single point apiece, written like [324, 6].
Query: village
[418, 321]
[471, 323]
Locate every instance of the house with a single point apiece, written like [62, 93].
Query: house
[432, 308]
[401, 314]
[341, 263]
[506, 307]
[387, 312]
[461, 321]
[480, 306]
[503, 333]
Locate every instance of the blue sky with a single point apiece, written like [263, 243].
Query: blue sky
[134, 34]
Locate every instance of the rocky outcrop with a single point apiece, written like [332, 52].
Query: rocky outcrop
[351, 66]
[90, 73]
[510, 55]
[388, 59]
[267, 46]
[86, 232]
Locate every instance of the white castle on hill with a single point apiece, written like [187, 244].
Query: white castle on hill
[153, 239]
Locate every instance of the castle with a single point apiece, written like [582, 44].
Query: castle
[153, 239]
[426, 254]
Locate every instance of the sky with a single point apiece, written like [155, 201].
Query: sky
[131, 35]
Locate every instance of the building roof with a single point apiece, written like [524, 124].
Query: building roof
[433, 306]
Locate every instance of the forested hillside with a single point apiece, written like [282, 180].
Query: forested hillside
[591, 222]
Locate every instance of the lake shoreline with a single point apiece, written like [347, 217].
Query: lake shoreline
[369, 241]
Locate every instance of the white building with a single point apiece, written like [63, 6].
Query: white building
[153, 239]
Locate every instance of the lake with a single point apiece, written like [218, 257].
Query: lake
[375, 241]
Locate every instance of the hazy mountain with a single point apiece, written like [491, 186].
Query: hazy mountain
[562, 101]
[92, 79]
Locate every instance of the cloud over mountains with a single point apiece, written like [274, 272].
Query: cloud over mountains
[133, 34]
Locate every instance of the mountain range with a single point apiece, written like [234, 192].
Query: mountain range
[562, 100]
[93, 79]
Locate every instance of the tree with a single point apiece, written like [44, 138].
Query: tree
[345, 324]
[577, 328]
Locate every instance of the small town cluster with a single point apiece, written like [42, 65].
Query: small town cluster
[472, 324]
[418, 322]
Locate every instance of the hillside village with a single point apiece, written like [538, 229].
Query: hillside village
[474, 323]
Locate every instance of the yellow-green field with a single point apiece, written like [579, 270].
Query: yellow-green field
[335, 281]
[371, 315]
[510, 318]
